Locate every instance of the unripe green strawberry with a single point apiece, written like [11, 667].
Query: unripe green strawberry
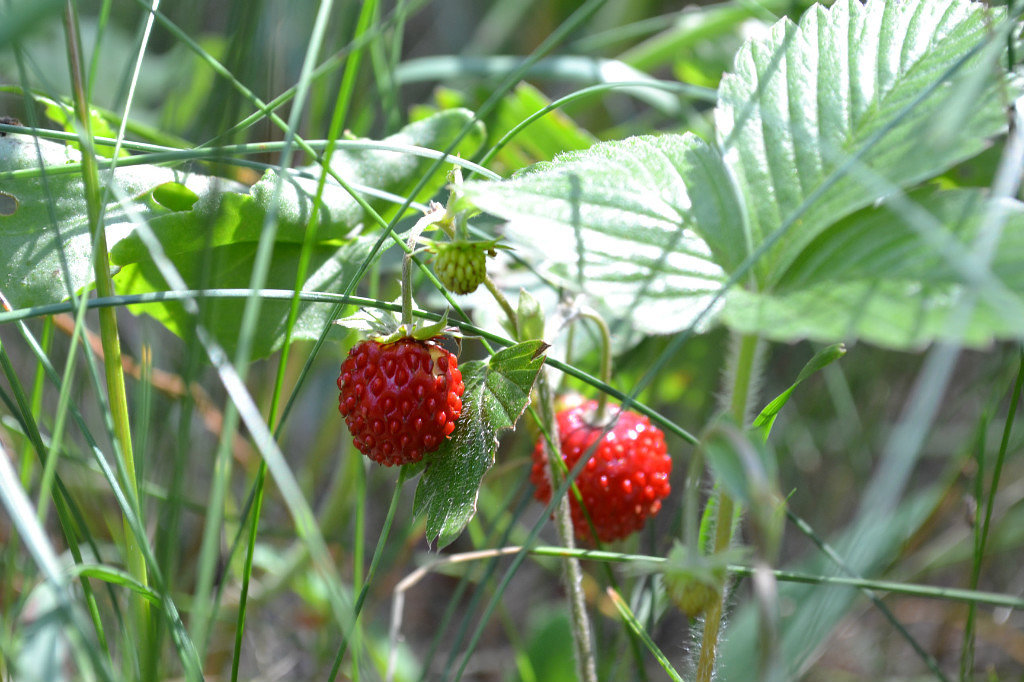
[694, 581]
[461, 265]
[401, 399]
[693, 595]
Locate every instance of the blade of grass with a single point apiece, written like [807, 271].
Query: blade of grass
[184, 646]
[63, 503]
[341, 107]
[291, 493]
[630, 620]
[108, 318]
[981, 530]
[205, 611]
[19, 509]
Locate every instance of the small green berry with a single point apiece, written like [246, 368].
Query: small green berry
[692, 594]
[694, 582]
[461, 266]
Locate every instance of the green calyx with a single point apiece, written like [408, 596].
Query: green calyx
[385, 327]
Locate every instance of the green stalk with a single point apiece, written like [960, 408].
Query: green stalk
[500, 298]
[341, 108]
[743, 368]
[583, 644]
[109, 337]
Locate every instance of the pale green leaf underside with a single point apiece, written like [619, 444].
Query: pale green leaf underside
[879, 80]
[496, 394]
[618, 221]
[899, 278]
[817, 122]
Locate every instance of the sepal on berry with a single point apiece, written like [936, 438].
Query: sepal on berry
[384, 326]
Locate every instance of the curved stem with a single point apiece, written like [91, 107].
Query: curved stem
[583, 644]
[502, 301]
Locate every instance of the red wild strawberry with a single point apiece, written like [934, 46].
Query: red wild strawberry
[623, 482]
[400, 399]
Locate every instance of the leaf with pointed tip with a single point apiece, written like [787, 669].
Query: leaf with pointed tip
[826, 117]
[766, 419]
[497, 393]
[818, 123]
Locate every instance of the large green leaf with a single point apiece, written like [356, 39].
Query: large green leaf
[880, 83]
[213, 241]
[497, 392]
[643, 225]
[44, 229]
[817, 122]
[209, 231]
[220, 218]
[898, 278]
[229, 267]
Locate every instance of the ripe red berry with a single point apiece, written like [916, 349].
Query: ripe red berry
[400, 400]
[623, 482]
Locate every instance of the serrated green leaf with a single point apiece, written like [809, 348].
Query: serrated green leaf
[896, 276]
[619, 218]
[497, 393]
[876, 80]
[816, 122]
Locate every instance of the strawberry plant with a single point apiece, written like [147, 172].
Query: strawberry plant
[753, 278]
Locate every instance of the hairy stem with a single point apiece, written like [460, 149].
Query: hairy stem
[743, 368]
[583, 644]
